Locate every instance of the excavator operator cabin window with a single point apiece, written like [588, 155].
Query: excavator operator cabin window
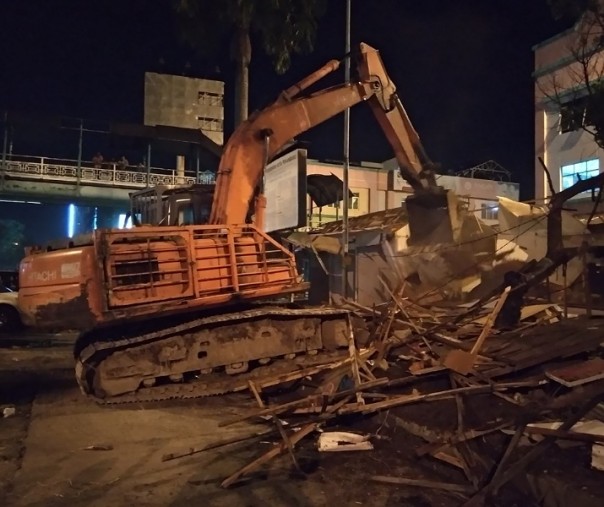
[186, 216]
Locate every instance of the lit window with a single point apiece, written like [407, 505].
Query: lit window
[572, 173]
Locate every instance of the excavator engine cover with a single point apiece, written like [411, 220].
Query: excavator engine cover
[432, 217]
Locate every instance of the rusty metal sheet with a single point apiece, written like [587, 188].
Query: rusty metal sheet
[578, 374]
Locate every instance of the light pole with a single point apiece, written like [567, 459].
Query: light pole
[345, 194]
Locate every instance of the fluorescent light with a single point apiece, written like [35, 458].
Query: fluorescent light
[71, 220]
[20, 202]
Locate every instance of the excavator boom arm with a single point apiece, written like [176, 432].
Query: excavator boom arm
[246, 152]
[262, 135]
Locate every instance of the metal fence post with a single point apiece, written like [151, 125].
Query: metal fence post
[197, 165]
[80, 142]
[5, 142]
[148, 163]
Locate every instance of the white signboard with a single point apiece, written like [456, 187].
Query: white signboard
[285, 191]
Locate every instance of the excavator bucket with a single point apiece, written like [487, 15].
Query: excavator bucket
[433, 217]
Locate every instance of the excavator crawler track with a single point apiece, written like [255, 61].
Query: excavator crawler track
[209, 356]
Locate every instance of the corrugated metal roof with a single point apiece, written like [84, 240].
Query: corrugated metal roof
[387, 220]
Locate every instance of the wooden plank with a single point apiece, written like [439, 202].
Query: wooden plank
[479, 499]
[564, 435]
[462, 361]
[421, 483]
[274, 410]
[455, 439]
[265, 458]
[256, 394]
[354, 360]
[436, 396]
[278, 449]
[414, 398]
[287, 442]
[572, 337]
[195, 450]
[314, 400]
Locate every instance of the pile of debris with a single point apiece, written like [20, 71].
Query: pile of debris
[547, 372]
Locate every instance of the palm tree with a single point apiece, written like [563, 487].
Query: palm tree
[283, 27]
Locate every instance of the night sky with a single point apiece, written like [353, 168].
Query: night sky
[462, 67]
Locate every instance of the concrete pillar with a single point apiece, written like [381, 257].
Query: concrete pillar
[180, 169]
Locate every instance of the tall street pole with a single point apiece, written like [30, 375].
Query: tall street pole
[345, 195]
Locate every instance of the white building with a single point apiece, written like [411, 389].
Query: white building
[562, 120]
[378, 187]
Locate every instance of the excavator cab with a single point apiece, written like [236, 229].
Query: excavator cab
[172, 205]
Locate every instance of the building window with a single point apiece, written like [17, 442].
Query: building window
[210, 124]
[576, 114]
[209, 99]
[353, 202]
[488, 211]
[572, 173]
[571, 118]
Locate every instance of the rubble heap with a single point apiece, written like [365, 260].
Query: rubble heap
[540, 381]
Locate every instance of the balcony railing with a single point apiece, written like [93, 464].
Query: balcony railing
[110, 174]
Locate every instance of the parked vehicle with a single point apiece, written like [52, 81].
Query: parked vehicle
[10, 317]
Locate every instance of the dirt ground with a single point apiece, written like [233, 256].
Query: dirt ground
[44, 460]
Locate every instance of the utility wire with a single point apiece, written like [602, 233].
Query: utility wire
[473, 266]
[455, 246]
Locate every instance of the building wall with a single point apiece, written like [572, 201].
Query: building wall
[480, 195]
[558, 81]
[380, 186]
[186, 102]
[368, 182]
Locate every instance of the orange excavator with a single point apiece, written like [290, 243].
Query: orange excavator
[168, 310]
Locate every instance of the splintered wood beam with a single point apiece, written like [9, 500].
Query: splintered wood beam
[265, 458]
[315, 403]
[256, 394]
[278, 449]
[421, 483]
[565, 435]
[354, 361]
[455, 439]
[195, 450]
[408, 399]
[503, 475]
[400, 306]
[274, 410]
[287, 442]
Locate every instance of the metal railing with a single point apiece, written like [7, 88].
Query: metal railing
[111, 174]
[199, 261]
